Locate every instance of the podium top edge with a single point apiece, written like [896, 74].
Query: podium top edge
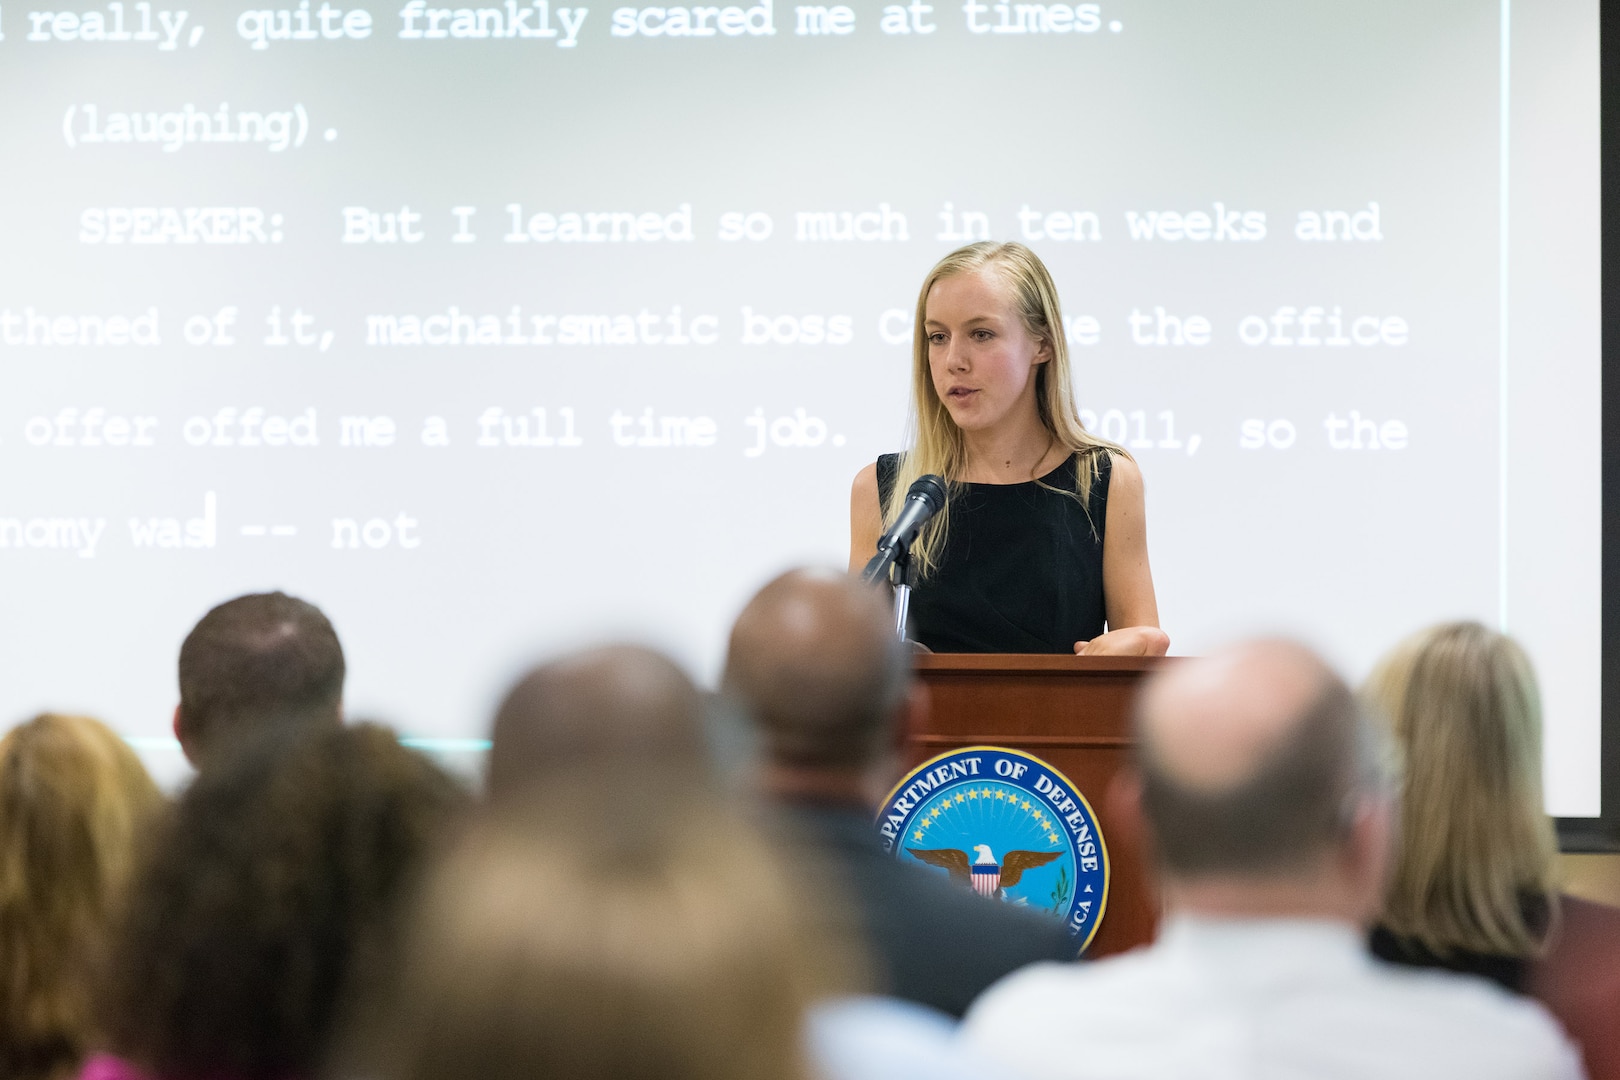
[1017, 663]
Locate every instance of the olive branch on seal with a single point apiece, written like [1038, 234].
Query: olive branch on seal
[1060, 891]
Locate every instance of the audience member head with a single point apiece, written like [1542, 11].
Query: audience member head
[267, 899]
[814, 662]
[75, 810]
[260, 661]
[1477, 846]
[1264, 788]
[620, 702]
[594, 934]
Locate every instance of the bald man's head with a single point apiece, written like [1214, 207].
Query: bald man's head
[815, 662]
[619, 702]
[1252, 759]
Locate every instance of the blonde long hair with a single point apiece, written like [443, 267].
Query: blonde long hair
[75, 808]
[586, 935]
[1475, 838]
[937, 445]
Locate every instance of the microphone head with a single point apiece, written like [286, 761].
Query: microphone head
[931, 489]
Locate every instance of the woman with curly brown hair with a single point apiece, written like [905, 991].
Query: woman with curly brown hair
[264, 904]
[75, 807]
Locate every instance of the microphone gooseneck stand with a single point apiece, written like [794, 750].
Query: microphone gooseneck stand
[893, 559]
[895, 562]
[900, 574]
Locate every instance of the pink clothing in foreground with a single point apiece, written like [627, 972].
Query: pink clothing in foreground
[107, 1067]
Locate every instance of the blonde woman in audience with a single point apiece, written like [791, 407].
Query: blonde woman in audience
[619, 925]
[1474, 889]
[75, 808]
[588, 938]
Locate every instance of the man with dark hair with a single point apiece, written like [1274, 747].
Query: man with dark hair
[814, 664]
[617, 703]
[1268, 797]
[258, 662]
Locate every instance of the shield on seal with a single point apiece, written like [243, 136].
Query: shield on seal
[986, 879]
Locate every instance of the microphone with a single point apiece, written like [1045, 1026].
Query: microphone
[925, 499]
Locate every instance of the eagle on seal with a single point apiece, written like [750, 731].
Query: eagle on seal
[982, 873]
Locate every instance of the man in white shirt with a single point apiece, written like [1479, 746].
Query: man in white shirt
[1267, 798]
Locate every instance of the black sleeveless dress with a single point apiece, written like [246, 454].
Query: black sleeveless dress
[1022, 567]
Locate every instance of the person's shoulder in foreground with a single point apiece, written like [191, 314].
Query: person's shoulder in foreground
[1282, 1005]
[1578, 979]
[876, 1038]
[939, 943]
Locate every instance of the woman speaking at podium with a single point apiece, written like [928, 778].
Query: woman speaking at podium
[1042, 544]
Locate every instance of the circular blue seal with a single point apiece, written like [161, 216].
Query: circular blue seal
[1006, 825]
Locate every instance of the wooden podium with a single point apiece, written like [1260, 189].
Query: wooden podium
[1071, 711]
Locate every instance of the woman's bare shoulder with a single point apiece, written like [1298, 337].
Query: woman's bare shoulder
[866, 485]
[1123, 472]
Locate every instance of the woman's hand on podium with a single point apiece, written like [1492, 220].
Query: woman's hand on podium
[1130, 641]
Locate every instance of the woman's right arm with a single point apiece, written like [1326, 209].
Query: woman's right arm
[865, 518]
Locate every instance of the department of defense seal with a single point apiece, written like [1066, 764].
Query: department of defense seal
[1007, 825]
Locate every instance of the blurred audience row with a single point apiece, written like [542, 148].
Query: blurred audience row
[659, 882]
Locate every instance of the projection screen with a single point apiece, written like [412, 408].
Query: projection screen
[494, 330]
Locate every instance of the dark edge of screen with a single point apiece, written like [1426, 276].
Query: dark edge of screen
[1602, 834]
